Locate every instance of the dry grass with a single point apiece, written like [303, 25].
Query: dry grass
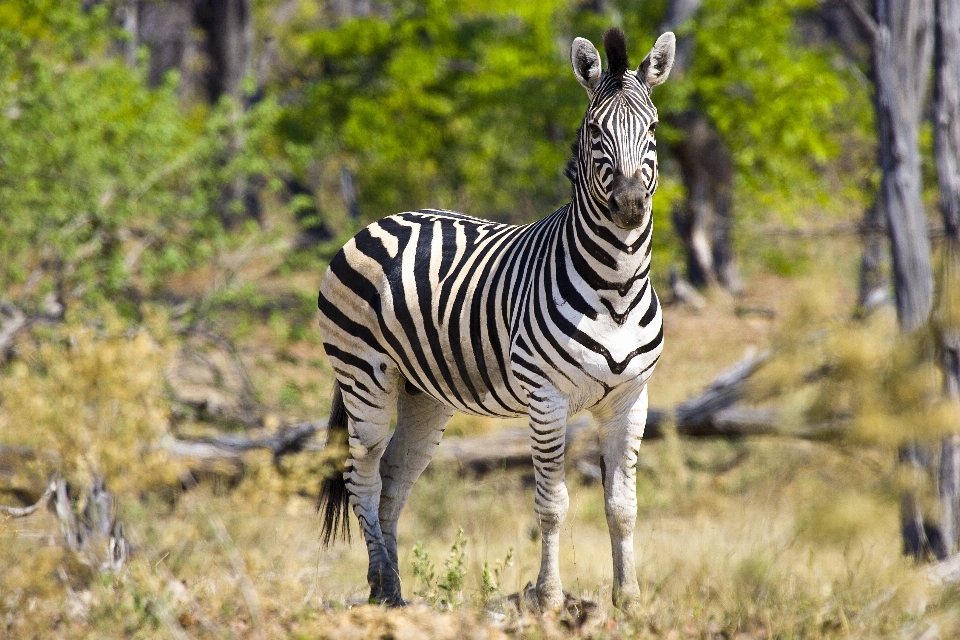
[766, 538]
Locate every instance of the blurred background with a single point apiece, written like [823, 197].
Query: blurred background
[176, 174]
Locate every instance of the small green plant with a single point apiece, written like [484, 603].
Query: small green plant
[452, 582]
[447, 593]
[424, 573]
[492, 575]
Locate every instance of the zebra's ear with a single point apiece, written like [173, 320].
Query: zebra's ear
[586, 64]
[655, 68]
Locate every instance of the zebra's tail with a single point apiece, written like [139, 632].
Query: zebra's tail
[334, 503]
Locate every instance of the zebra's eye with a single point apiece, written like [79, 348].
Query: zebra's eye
[593, 130]
[653, 128]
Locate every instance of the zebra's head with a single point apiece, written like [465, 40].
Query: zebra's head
[615, 157]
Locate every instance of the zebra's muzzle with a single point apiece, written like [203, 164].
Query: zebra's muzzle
[629, 201]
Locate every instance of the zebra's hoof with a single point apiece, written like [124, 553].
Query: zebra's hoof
[550, 597]
[386, 601]
[386, 595]
[627, 600]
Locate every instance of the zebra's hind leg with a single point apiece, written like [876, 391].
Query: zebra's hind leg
[369, 432]
[421, 421]
[621, 425]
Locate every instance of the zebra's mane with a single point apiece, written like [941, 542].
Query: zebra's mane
[571, 169]
[615, 46]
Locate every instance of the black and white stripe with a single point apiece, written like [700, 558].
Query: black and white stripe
[435, 311]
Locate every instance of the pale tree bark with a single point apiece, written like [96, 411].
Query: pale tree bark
[901, 38]
[874, 287]
[167, 30]
[703, 221]
[902, 50]
[946, 136]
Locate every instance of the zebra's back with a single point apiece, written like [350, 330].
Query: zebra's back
[433, 292]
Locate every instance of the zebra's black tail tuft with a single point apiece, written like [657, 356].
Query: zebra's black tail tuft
[334, 500]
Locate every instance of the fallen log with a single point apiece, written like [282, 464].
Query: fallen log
[506, 449]
[725, 390]
[21, 512]
[944, 572]
[712, 414]
[229, 447]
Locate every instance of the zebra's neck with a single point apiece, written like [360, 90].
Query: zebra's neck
[610, 260]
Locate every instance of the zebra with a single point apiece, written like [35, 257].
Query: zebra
[430, 312]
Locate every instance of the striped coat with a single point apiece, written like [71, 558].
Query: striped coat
[430, 312]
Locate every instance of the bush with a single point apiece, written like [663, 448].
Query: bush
[91, 402]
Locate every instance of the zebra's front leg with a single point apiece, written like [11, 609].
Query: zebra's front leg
[548, 431]
[621, 424]
[369, 432]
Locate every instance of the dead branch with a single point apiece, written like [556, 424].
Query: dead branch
[505, 449]
[723, 422]
[15, 321]
[711, 414]
[726, 389]
[238, 403]
[947, 571]
[230, 448]
[682, 292]
[96, 536]
[869, 25]
[20, 512]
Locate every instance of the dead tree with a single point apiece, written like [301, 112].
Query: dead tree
[210, 43]
[901, 38]
[901, 34]
[703, 221]
[853, 36]
[946, 132]
[94, 534]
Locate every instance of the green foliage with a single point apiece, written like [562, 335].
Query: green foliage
[424, 572]
[771, 99]
[106, 184]
[452, 581]
[447, 592]
[492, 575]
[463, 105]
[472, 106]
[782, 107]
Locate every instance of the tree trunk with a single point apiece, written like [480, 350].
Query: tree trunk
[703, 221]
[946, 113]
[901, 58]
[848, 24]
[902, 51]
[229, 28]
[228, 25]
[946, 137]
[901, 34]
[167, 30]
[211, 65]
